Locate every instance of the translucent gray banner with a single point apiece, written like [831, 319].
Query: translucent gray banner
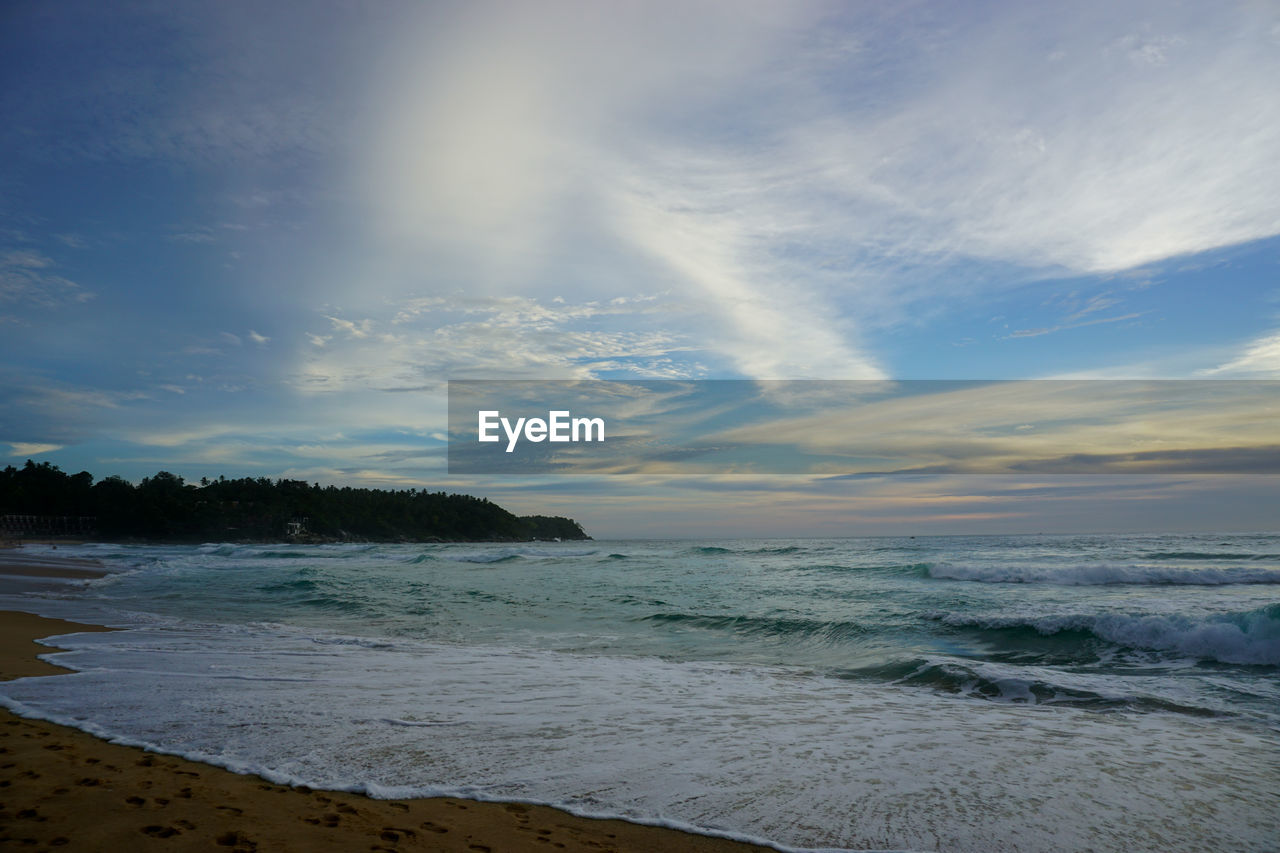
[864, 428]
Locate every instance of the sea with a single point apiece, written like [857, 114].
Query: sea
[964, 693]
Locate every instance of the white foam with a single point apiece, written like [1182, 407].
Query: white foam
[770, 753]
[1102, 574]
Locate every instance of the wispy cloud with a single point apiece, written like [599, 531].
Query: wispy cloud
[26, 279]
[1048, 330]
[419, 343]
[27, 448]
[1259, 359]
[765, 181]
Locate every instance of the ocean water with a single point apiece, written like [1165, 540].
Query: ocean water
[1030, 693]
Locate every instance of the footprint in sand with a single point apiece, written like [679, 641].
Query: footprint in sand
[238, 840]
[157, 831]
[393, 833]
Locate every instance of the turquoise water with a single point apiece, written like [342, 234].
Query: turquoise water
[747, 687]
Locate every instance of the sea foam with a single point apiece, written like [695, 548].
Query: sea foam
[764, 752]
[1103, 574]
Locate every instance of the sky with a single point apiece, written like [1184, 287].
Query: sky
[251, 239]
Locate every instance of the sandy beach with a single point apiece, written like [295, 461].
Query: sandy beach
[63, 789]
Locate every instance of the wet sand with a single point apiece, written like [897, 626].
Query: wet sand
[35, 566]
[63, 789]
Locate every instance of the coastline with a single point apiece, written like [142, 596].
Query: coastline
[61, 787]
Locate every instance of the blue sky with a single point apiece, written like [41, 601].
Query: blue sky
[257, 238]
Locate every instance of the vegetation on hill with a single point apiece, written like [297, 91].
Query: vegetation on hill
[165, 507]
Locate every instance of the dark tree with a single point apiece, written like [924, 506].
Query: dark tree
[167, 508]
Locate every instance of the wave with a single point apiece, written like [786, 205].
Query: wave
[1208, 555]
[1251, 637]
[638, 601]
[290, 586]
[215, 549]
[827, 631]
[716, 549]
[909, 569]
[256, 552]
[332, 602]
[415, 559]
[1104, 574]
[396, 721]
[506, 555]
[1027, 685]
[496, 557]
[331, 551]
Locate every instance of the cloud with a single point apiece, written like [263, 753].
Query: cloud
[201, 236]
[351, 329]
[1081, 427]
[537, 136]
[1092, 162]
[37, 409]
[1048, 330]
[801, 174]
[417, 344]
[25, 280]
[27, 448]
[1259, 359]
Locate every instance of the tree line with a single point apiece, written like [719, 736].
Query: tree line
[165, 507]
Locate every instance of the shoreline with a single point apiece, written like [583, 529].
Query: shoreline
[62, 787]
